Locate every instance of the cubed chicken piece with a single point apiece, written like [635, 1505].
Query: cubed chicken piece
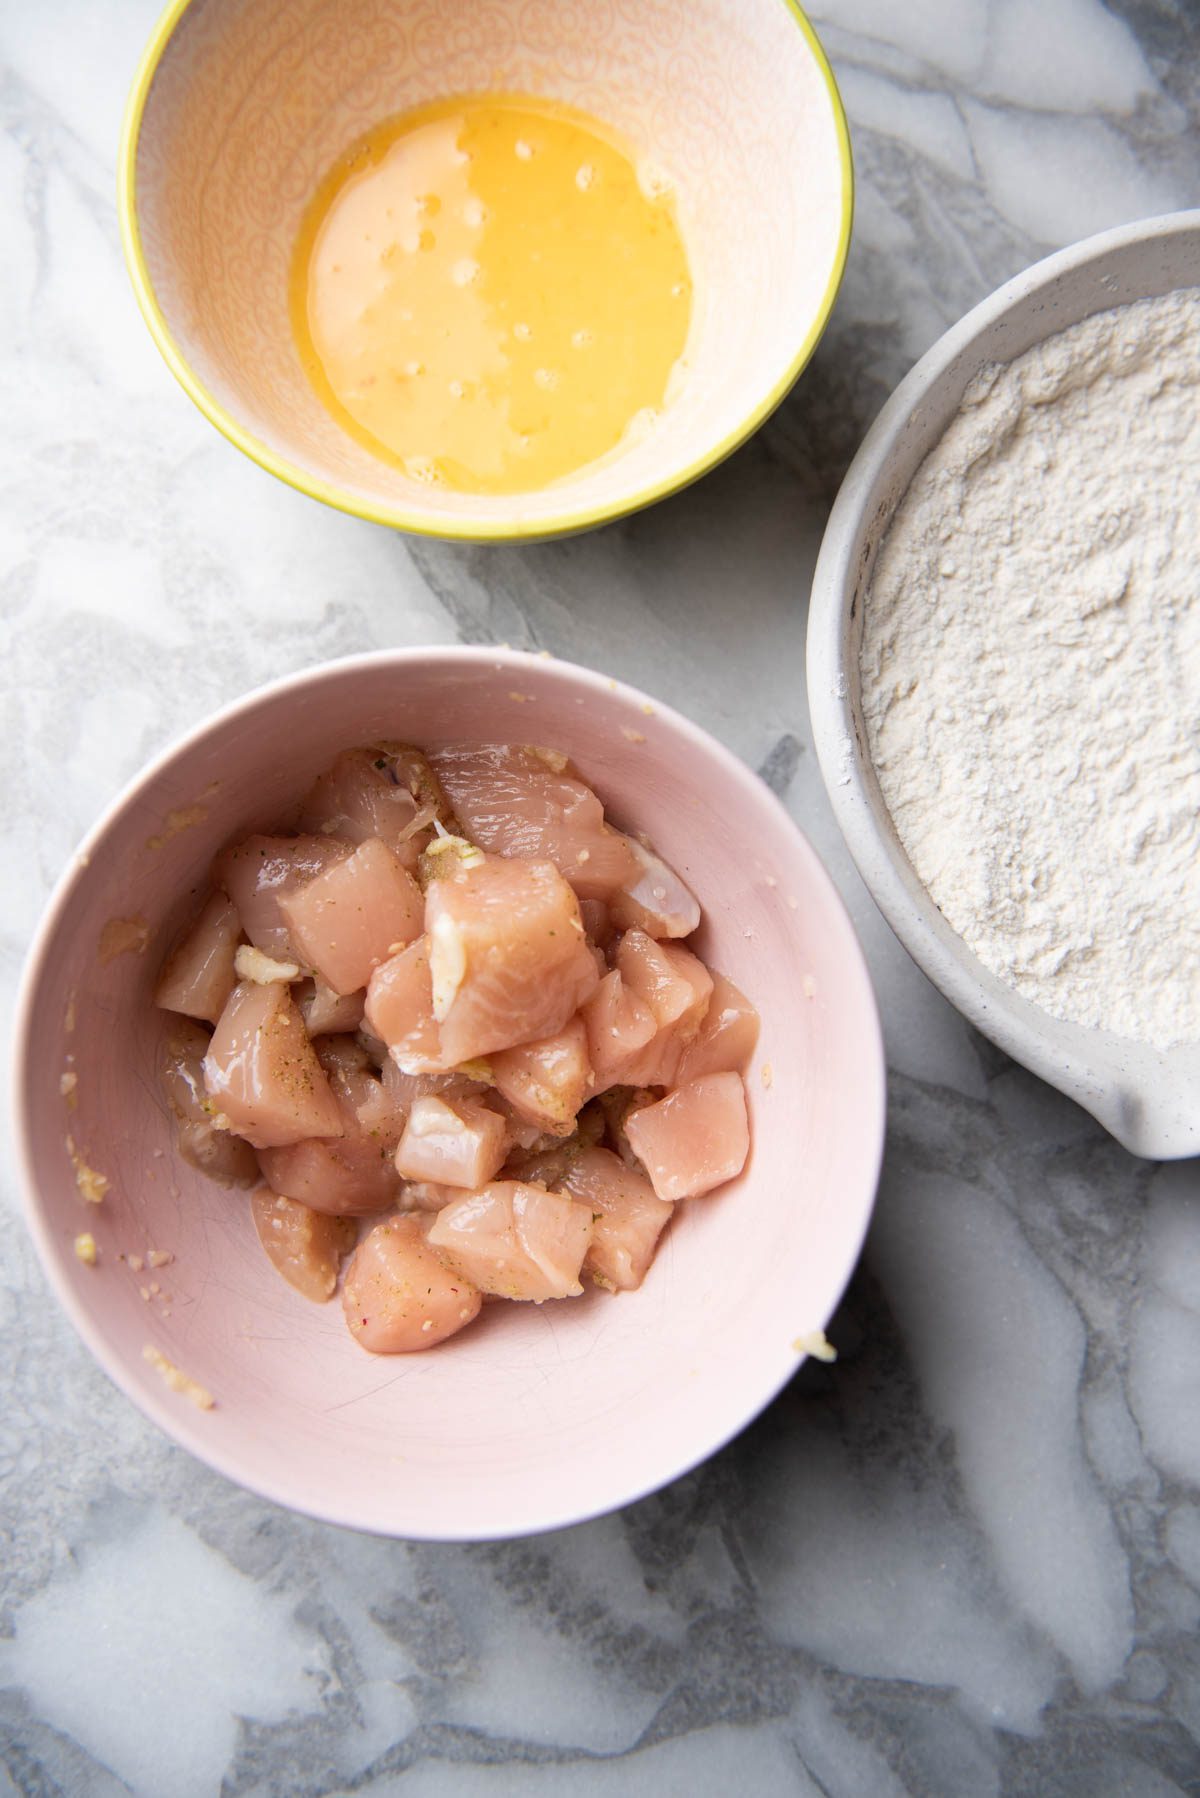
[727, 1036]
[546, 1082]
[695, 1139]
[656, 900]
[305, 1246]
[353, 916]
[453, 1142]
[676, 987]
[260, 871]
[508, 959]
[350, 1175]
[399, 1010]
[198, 977]
[213, 1151]
[262, 1072]
[516, 1241]
[327, 1013]
[619, 1026]
[519, 801]
[627, 1217]
[386, 792]
[399, 1296]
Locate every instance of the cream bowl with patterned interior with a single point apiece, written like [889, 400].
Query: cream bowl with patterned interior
[240, 106]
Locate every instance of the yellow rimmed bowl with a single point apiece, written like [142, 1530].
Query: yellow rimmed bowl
[240, 106]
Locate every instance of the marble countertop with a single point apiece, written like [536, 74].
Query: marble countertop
[966, 1559]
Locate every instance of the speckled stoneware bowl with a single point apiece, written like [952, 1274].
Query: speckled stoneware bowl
[536, 1416]
[1148, 1098]
[240, 106]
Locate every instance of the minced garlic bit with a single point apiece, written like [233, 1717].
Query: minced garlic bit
[123, 936]
[92, 1185]
[768, 1074]
[178, 821]
[808, 987]
[816, 1344]
[69, 1015]
[555, 759]
[634, 736]
[177, 1380]
[67, 1082]
[134, 1263]
[447, 964]
[85, 1248]
[255, 965]
[648, 709]
[478, 1068]
[520, 698]
[159, 1257]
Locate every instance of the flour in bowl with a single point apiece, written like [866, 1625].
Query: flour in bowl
[1031, 671]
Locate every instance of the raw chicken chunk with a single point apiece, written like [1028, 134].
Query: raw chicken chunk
[305, 1246]
[213, 1151]
[259, 871]
[354, 915]
[399, 1010]
[262, 1072]
[520, 801]
[199, 976]
[546, 1082]
[619, 1025]
[508, 959]
[351, 1174]
[388, 792]
[675, 986]
[627, 1217]
[398, 1296]
[727, 1036]
[517, 1241]
[696, 1138]
[452, 1142]
[656, 900]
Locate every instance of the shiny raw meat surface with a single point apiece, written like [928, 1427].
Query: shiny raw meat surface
[458, 997]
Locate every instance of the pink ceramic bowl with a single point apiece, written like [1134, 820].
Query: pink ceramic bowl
[535, 1417]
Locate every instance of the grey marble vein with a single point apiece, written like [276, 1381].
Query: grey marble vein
[963, 1561]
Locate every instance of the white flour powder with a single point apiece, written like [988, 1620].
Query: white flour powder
[1031, 671]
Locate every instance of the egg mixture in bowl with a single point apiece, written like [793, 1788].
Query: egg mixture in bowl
[486, 272]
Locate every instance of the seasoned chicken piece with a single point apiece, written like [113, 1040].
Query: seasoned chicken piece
[508, 959]
[260, 871]
[514, 1240]
[198, 976]
[353, 915]
[399, 1296]
[546, 1082]
[695, 1139]
[519, 801]
[627, 1217]
[262, 1072]
[305, 1246]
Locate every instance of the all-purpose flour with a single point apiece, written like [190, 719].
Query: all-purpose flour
[1031, 671]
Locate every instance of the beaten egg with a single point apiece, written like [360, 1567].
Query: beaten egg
[491, 293]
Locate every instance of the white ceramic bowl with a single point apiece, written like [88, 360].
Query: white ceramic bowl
[536, 1416]
[240, 106]
[1148, 1098]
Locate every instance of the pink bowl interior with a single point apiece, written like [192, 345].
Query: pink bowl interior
[535, 1416]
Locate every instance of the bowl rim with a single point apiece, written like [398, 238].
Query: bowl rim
[185, 1427]
[1097, 1069]
[405, 518]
